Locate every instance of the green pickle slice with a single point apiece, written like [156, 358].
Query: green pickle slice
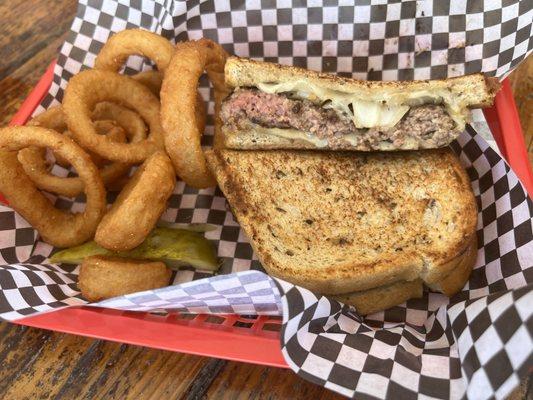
[175, 247]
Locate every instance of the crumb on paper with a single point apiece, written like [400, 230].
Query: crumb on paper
[460, 45]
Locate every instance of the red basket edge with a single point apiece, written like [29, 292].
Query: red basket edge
[507, 131]
[233, 345]
[189, 337]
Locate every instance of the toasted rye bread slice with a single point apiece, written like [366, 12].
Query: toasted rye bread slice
[379, 299]
[471, 90]
[342, 222]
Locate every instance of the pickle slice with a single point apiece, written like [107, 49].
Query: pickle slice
[175, 247]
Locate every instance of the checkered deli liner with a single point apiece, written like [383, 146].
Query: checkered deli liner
[477, 344]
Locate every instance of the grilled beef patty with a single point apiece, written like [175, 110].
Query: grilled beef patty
[429, 125]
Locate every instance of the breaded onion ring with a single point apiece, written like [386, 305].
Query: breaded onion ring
[105, 127]
[102, 277]
[91, 87]
[151, 79]
[33, 160]
[53, 118]
[182, 136]
[134, 41]
[128, 119]
[138, 206]
[112, 131]
[58, 227]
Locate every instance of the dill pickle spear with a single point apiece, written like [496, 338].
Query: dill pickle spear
[174, 247]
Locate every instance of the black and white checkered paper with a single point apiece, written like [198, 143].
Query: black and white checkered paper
[477, 344]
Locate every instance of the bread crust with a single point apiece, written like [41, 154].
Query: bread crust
[379, 299]
[457, 278]
[444, 264]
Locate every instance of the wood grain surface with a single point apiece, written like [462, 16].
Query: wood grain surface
[38, 364]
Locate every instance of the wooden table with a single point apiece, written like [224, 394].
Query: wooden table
[42, 364]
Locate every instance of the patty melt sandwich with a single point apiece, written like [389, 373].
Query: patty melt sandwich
[367, 228]
[280, 107]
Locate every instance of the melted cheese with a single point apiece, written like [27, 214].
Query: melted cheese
[384, 112]
[371, 114]
[408, 144]
[293, 134]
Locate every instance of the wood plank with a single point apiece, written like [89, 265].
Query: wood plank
[32, 32]
[44, 364]
[64, 366]
[258, 382]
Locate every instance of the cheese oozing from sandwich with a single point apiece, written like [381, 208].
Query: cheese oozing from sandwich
[369, 110]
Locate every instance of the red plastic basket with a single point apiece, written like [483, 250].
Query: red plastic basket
[254, 340]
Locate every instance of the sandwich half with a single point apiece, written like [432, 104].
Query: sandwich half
[280, 107]
[355, 226]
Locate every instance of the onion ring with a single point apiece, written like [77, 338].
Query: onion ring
[105, 127]
[53, 118]
[151, 79]
[103, 277]
[187, 65]
[118, 184]
[128, 119]
[138, 206]
[33, 159]
[134, 41]
[200, 114]
[56, 227]
[154, 79]
[91, 87]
